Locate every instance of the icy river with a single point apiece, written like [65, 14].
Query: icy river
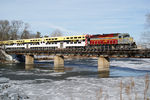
[127, 79]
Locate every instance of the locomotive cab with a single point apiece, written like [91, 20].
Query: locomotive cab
[126, 40]
[126, 35]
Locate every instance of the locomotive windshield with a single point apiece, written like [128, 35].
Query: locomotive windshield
[125, 36]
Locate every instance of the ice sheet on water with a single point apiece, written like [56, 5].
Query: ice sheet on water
[134, 63]
[4, 80]
[10, 91]
[78, 88]
[42, 70]
[23, 73]
[56, 74]
[43, 61]
[75, 88]
[50, 73]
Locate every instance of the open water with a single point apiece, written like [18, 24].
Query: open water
[76, 67]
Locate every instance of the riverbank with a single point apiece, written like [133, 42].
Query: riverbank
[5, 58]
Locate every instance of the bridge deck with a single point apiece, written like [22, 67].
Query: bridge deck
[141, 53]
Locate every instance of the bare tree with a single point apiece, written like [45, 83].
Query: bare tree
[56, 33]
[148, 20]
[14, 30]
[25, 34]
[4, 29]
[38, 35]
[145, 36]
[45, 36]
[145, 39]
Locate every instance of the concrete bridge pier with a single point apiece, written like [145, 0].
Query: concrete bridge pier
[29, 59]
[103, 64]
[58, 63]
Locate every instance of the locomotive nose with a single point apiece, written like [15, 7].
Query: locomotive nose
[131, 39]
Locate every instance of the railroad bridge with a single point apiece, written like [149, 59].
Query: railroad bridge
[103, 55]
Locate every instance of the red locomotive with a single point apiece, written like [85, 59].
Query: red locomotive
[119, 40]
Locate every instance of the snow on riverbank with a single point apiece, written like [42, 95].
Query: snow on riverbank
[6, 58]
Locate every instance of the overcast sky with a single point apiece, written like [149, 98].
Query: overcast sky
[74, 17]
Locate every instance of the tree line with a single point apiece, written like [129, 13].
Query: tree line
[16, 29]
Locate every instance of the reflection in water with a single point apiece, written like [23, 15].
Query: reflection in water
[59, 70]
[103, 74]
[62, 69]
[29, 66]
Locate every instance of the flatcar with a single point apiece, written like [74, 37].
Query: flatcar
[111, 41]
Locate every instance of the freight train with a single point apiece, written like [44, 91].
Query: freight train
[109, 41]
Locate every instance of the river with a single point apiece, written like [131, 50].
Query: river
[79, 80]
